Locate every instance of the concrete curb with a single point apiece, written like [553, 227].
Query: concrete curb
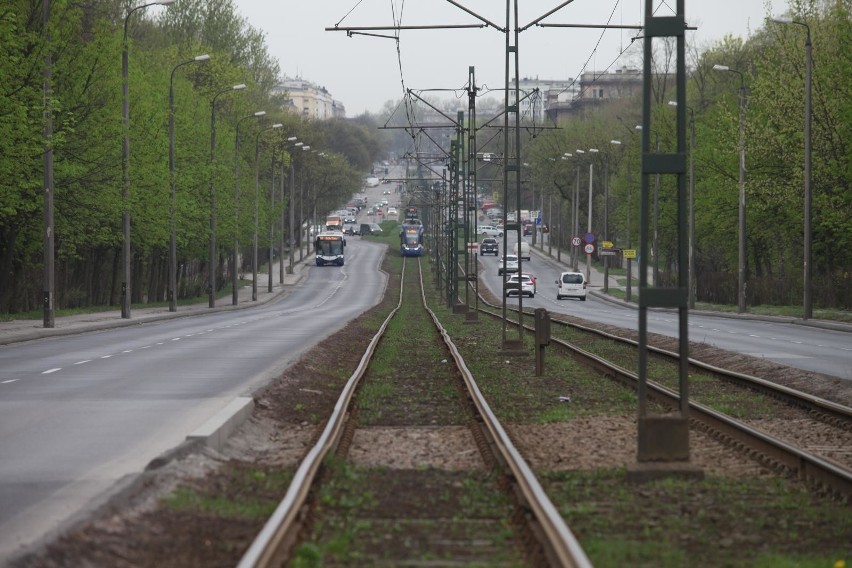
[215, 432]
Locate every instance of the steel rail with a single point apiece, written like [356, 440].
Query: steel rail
[775, 452]
[838, 413]
[802, 399]
[268, 547]
[562, 547]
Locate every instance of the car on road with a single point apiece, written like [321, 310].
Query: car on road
[511, 263]
[489, 231]
[522, 249]
[489, 245]
[520, 284]
[533, 279]
[571, 285]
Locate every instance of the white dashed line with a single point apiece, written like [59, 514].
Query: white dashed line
[105, 356]
[128, 351]
[83, 361]
[9, 381]
[51, 371]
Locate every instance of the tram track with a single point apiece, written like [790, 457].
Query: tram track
[577, 445]
[498, 514]
[810, 441]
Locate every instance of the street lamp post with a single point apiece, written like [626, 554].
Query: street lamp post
[691, 231]
[125, 164]
[284, 212]
[291, 216]
[211, 271]
[575, 215]
[234, 272]
[808, 303]
[291, 208]
[256, 205]
[741, 270]
[589, 225]
[172, 228]
[301, 209]
[235, 298]
[606, 218]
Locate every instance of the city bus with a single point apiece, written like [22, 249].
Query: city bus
[329, 248]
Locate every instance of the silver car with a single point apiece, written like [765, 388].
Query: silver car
[511, 263]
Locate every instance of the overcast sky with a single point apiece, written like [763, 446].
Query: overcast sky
[364, 72]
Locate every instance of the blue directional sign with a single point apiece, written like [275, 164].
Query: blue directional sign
[589, 238]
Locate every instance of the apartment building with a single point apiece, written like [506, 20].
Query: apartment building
[308, 99]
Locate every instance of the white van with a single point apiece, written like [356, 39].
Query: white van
[571, 285]
[522, 249]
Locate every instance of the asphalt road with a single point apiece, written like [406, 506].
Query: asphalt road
[808, 347]
[80, 412]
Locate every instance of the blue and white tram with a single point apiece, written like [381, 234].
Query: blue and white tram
[411, 238]
[330, 248]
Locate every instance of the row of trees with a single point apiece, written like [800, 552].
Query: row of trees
[62, 60]
[772, 62]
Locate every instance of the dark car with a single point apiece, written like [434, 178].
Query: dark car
[489, 245]
[366, 229]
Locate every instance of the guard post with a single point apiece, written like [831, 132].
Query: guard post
[541, 318]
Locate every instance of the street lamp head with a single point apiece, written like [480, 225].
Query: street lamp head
[782, 20]
[306, 148]
[581, 151]
[672, 103]
[277, 125]
[718, 67]
[164, 2]
[593, 150]
[568, 155]
[616, 142]
[638, 127]
[204, 57]
[260, 113]
[292, 139]
[239, 87]
[299, 144]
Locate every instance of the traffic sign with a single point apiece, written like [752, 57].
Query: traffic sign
[589, 237]
[607, 252]
[629, 253]
[607, 245]
[576, 241]
[589, 248]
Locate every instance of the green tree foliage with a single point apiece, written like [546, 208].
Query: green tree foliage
[772, 61]
[85, 100]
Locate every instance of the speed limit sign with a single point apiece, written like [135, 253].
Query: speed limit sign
[575, 241]
[589, 248]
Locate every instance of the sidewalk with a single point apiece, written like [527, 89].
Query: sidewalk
[27, 329]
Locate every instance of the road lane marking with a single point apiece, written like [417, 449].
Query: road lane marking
[83, 361]
[51, 371]
[10, 381]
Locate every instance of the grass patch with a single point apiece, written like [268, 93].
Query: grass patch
[265, 487]
[715, 522]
